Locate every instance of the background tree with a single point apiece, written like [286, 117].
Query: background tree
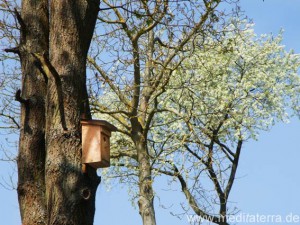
[231, 88]
[222, 96]
[145, 43]
[9, 78]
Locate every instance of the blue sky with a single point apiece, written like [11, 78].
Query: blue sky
[268, 178]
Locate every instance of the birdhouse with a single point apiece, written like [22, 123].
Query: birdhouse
[95, 142]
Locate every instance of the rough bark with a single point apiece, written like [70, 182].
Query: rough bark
[70, 194]
[146, 206]
[146, 195]
[51, 187]
[31, 158]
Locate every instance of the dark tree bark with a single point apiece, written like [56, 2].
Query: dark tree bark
[52, 188]
[67, 189]
[31, 158]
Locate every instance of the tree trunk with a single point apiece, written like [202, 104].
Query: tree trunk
[70, 194]
[51, 187]
[146, 196]
[31, 158]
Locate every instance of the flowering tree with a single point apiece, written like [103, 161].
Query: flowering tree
[221, 97]
[231, 88]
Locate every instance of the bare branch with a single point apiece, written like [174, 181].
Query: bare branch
[154, 22]
[122, 21]
[118, 155]
[19, 98]
[190, 198]
[187, 38]
[233, 168]
[12, 119]
[14, 50]
[110, 82]
[50, 71]
[20, 20]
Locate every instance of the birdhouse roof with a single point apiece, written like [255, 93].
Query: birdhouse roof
[104, 123]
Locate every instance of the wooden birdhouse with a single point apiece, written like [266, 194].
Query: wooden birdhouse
[95, 142]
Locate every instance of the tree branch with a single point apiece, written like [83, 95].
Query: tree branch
[21, 21]
[191, 200]
[19, 98]
[122, 21]
[50, 71]
[15, 50]
[118, 155]
[110, 82]
[193, 153]
[233, 168]
[157, 39]
[116, 115]
[154, 22]
[188, 37]
[137, 79]
[12, 119]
